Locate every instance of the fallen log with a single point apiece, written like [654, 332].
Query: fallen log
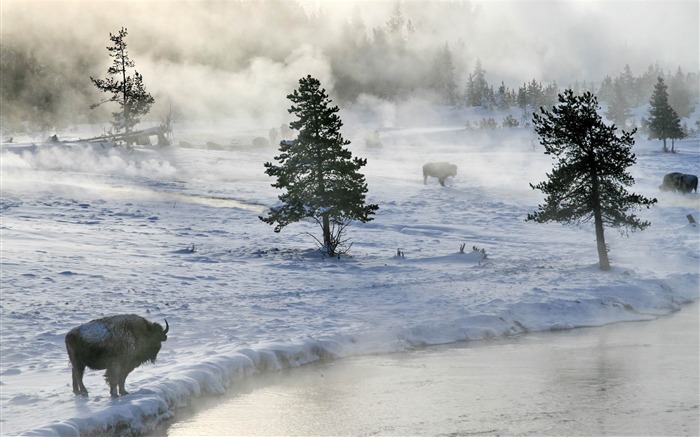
[157, 131]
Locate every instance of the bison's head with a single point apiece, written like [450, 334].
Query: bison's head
[156, 336]
[163, 332]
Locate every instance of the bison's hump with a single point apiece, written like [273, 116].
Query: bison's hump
[93, 332]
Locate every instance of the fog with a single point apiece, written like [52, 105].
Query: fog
[240, 59]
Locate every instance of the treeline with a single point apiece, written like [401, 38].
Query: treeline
[40, 94]
[621, 93]
[46, 88]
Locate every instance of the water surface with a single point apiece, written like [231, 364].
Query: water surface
[638, 378]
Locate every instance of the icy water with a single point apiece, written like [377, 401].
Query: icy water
[636, 378]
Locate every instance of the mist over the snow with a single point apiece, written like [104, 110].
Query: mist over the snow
[92, 229]
[221, 59]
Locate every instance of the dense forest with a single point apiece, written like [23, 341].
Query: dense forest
[403, 56]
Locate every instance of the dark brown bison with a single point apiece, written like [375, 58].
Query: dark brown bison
[684, 183]
[439, 170]
[118, 344]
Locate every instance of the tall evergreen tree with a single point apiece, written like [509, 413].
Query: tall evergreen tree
[618, 108]
[664, 122]
[128, 91]
[679, 95]
[320, 176]
[648, 81]
[589, 180]
[477, 92]
[505, 97]
[443, 77]
[629, 85]
[606, 91]
[396, 27]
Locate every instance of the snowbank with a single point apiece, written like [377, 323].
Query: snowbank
[143, 410]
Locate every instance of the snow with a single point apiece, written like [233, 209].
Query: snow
[91, 230]
[93, 332]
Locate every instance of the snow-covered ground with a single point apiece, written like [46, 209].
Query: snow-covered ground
[90, 231]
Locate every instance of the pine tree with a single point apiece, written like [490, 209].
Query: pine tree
[477, 92]
[647, 82]
[505, 97]
[629, 85]
[606, 91]
[128, 91]
[589, 180]
[618, 108]
[319, 174]
[663, 121]
[679, 96]
[443, 77]
[676, 133]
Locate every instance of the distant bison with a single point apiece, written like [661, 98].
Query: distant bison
[118, 344]
[261, 142]
[684, 183]
[439, 170]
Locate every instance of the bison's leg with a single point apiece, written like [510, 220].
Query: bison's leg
[442, 181]
[77, 369]
[122, 381]
[78, 386]
[425, 179]
[112, 376]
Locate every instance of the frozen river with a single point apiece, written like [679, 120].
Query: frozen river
[636, 378]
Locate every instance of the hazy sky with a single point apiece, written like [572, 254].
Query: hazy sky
[591, 39]
[184, 48]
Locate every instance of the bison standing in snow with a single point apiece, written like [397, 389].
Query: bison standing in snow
[118, 344]
[261, 142]
[685, 183]
[439, 170]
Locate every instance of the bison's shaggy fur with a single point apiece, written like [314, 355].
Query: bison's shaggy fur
[439, 170]
[684, 183]
[118, 344]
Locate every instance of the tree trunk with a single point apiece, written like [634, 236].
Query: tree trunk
[598, 218]
[125, 107]
[600, 239]
[330, 248]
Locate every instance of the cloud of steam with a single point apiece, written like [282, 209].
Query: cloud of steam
[58, 168]
[258, 91]
[241, 59]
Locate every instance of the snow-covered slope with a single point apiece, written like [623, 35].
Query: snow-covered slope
[89, 231]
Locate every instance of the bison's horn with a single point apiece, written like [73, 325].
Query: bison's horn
[166, 326]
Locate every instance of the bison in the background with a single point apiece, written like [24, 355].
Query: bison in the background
[261, 142]
[684, 183]
[439, 170]
[118, 344]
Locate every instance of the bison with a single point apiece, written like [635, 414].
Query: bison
[439, 170]
[684, 183]
[261, 142]
[118, 344]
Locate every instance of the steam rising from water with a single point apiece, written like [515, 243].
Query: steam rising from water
[241, 59]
